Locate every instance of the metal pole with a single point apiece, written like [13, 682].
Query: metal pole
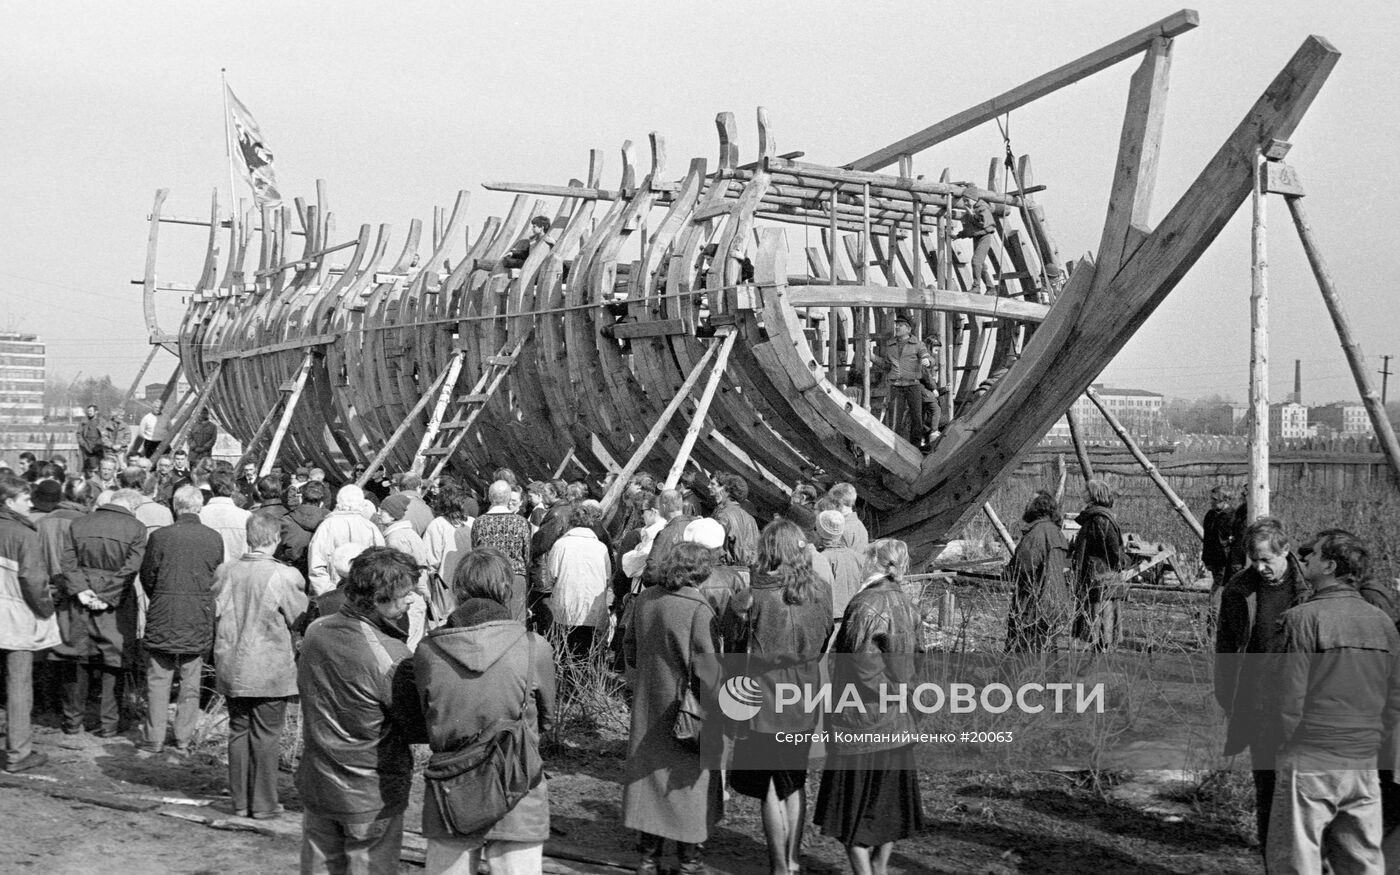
[1258, 495]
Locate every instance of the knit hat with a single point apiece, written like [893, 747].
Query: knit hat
[395, 505]
[706, 532]
[46, 495]
[831, 523]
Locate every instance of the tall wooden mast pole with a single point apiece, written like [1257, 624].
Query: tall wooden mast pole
[1258, 495]
[1375, 407]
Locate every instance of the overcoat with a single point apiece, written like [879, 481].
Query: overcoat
[667, 790]
[178, 575]
[102, 553]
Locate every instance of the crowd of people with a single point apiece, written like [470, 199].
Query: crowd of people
[409, 614]
[399, 615]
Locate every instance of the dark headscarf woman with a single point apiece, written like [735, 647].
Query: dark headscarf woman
[1041, 603]
[869, 796]
[1098, 559]
[472, 673]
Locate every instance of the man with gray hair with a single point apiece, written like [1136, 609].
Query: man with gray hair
[510, 533]
[96, 615]
[344, 525]
[672, 507]
[854, 534]
[177, 575]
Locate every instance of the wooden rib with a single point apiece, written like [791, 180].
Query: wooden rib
[1052, 371]
[1135, 173]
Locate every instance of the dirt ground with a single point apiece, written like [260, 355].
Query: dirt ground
[1042, 822]
[170, 813]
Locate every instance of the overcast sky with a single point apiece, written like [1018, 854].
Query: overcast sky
[400, 105]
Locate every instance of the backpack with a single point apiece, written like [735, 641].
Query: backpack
[480, 782]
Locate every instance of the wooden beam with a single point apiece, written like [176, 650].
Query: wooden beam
[639, 455]
[1177, 504]
[299, 343]
[449, 385]
[1138, 147]
[1003, 534]
[1355, 358]
[919, 299]
[1076, 437]
[403, 426]
[697, 422]
[289, 407]
[1258, 497]
[1048, 83]
[654, 328]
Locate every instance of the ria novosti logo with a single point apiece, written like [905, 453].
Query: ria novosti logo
[741, 698]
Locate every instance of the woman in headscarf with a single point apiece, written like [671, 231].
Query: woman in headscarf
[869, 796]
[1041, 603]
[1098, 560]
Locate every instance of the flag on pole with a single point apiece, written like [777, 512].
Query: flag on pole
[250, 154]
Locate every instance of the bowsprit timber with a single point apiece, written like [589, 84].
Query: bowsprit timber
[588, 347]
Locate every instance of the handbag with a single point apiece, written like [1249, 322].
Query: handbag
[690, 714]
[480, 782]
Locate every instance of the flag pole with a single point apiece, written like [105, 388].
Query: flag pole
[228, 153]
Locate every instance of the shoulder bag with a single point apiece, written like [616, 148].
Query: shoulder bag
[480, 782]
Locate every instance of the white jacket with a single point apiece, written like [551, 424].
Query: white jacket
[339, 527]
[580, 569]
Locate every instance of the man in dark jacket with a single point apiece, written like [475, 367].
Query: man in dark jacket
[300, 524]
[97, 609]
[1251, 608]
[360, 713]
[202, 437]
[1219, 531]
[740, 529]
[269, 497]
[671, 505]
[1338, 695]
[90, 438]
[177, 574]
[26, 619]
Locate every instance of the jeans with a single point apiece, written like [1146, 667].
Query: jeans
[254, 742]
[76, 678]
[1346, 803]
[160, 669]
[19, 702]
[462, 857]
[334, 847]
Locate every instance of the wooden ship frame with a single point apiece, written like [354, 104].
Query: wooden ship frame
[590, 351]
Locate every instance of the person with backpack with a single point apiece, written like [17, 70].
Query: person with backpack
[486, 685]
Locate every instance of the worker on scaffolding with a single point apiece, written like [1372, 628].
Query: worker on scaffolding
[903, 361]
[979, 224]
[539, 233]
[931, 387]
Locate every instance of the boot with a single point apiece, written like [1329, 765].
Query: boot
[692, 859]
[649, 849]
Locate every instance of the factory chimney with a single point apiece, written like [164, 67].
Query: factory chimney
[1297, 396]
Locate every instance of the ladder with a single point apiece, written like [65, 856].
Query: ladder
[441, 439]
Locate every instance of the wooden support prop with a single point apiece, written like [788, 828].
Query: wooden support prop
[289, 406]
[250, 449]
[1258, 493]
[644, 448]
[564, 465]
[1035, 89]
[1177, 504]
[145, 366]
[1063, 470]
[697, 422]
[999, 527]
[188, 415]
[1076, 438]
[1375, 407]
[403, 426]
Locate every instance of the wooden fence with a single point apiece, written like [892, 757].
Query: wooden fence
[1198, 464]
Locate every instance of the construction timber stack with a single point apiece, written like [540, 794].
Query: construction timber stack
[442, 357]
